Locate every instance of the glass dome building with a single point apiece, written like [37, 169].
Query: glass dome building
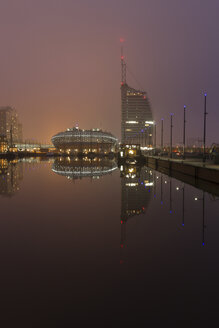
[76, 140]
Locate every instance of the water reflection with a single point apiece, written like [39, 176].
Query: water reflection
[10, 176]
[137, 184]
[75, 168]
[53, 246]
[181, 207]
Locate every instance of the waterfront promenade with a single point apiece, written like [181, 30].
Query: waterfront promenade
[191, 171]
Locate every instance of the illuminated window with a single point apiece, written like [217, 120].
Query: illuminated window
[149, 122]
[131, 122]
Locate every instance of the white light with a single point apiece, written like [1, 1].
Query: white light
[131, 184]
[146, 148]
[149, 184]
[131, 122]
[149, 122]
[121, 168]
[196, 198]
[177, 188]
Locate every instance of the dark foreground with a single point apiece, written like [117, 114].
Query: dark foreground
[129, 248]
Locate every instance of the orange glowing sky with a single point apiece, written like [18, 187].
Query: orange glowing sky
[60, 62]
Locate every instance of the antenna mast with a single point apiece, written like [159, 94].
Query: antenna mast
[123, 64]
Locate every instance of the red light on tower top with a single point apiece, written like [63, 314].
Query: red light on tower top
[121, 40]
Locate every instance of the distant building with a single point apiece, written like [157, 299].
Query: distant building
[137, 120]
[136, 117]
[20, 133]
[3, 144]
[10, 126]
[84, 141]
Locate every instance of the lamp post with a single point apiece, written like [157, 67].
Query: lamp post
[155, 138]
[184, 131]
[204, 138]
[171, 133]
[161, 141]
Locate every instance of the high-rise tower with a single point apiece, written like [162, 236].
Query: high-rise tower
[9, 125]
[137, 119]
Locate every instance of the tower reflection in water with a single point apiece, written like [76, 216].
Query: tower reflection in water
[11, 173]
[75, 168]
[137, 184]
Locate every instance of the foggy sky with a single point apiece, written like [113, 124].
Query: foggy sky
[60, 62]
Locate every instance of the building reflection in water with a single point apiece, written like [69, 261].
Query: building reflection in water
[202, 200]
[75, 168]
[137, 184]
[11, 173]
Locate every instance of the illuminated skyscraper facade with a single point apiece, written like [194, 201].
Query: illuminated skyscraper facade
[137, 119]
[136, 114]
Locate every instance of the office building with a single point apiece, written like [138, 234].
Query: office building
[136, 117]
[10, 126]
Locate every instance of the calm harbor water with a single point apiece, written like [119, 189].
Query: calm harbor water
[85, 242]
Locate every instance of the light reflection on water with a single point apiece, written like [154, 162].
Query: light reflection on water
[130, 244]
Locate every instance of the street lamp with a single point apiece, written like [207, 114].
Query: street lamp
[155, 138]
[171, 133]
[184, 132]
[205, 114]
[161, 142]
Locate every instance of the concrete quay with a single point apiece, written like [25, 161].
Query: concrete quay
[194, 172]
